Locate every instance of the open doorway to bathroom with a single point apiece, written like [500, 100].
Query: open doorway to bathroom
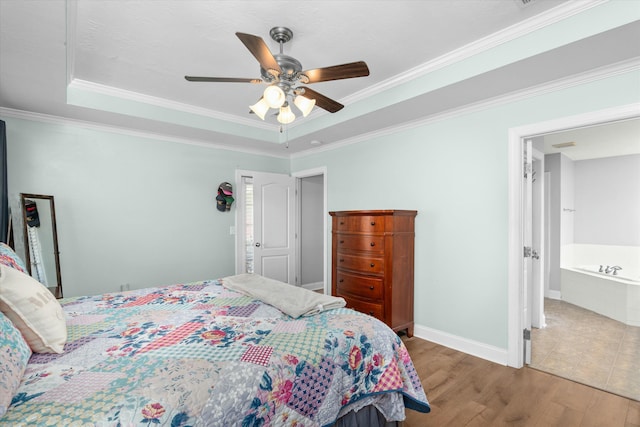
[312, 229]
[592, 257]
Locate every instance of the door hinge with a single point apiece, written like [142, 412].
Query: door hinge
[530, 253]
[526, 334]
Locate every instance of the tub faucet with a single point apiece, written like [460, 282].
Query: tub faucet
[613, 269]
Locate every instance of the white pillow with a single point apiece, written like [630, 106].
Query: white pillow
[33, 310]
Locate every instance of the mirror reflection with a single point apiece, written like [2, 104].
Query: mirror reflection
[41, 240]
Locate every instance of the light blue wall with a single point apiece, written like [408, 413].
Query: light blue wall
[454, 172]
[129, 209]
[141, 211]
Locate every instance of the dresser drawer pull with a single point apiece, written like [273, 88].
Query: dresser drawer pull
[341, 280]
[371, 313]
[341, 259]
[373, 243]
[373, 265]
[341, 241]
[341, 222]
[371, 287]
[373, 223]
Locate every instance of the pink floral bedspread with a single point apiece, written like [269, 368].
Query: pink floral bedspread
[199, 354]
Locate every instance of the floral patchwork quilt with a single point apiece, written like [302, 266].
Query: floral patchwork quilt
[200, 354]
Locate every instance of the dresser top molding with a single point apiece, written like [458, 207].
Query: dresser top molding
[374, 212]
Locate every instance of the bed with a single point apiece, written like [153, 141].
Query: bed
[204, 354]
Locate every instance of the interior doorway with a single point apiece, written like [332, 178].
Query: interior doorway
[311, 219]
[516, 275]
[580, 337]
[302, 199]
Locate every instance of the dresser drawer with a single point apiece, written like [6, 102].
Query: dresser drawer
[357, 242]
[360, 223]
[366, 287]
[364, 264]
[375, 310]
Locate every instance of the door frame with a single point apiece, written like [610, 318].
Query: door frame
[515, 346]
[239, 219]
[298, 175]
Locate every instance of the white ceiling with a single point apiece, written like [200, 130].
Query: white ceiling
[603, 140]
[139, 52]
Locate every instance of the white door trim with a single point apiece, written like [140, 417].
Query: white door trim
[305, 174]
[515, 176]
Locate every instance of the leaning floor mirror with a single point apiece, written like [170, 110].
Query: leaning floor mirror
[41, 240]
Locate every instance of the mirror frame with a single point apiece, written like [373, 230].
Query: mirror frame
[23, 198]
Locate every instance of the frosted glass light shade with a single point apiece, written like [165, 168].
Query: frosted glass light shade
[260, 108]
[304, 104]
[274, 96]
[286, 116]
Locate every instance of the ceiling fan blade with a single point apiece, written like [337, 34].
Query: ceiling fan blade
[260, 50]
[222, 79]
[337, 72]
[322, 101]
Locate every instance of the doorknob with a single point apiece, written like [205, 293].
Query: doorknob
[534, 254]
[257, 244]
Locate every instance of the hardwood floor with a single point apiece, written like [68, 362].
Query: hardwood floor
[464, 390]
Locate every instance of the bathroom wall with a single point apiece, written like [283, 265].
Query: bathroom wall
[595, 201]
[552, 165]
[607, 201]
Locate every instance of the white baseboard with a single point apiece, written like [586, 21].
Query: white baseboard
[313, 286]
[553, 294]
[474, 348]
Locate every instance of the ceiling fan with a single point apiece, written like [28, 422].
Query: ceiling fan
[285, 77]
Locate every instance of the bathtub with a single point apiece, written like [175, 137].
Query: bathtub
[615, 296]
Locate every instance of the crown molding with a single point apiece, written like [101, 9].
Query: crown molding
[544, 19]
[554, 86]
[100, 127]
[579, 79]
[87, 86]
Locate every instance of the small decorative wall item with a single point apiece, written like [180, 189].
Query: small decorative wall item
[224, 199]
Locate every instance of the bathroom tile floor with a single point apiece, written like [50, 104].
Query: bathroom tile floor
[588, 348]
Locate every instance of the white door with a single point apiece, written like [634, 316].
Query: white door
[268, 225]
[533, 240]
[538, 241]
[527, 240]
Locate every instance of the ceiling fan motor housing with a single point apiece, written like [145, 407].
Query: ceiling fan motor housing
[290, 67]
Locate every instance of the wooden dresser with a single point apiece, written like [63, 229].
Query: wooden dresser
[372, 264]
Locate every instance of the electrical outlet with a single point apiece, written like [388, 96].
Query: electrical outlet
[232, 230]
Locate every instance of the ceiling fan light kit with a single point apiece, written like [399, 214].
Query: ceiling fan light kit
[305, 105]
[274, 96]
[260, 108]
[286, 116]
[284, 75]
